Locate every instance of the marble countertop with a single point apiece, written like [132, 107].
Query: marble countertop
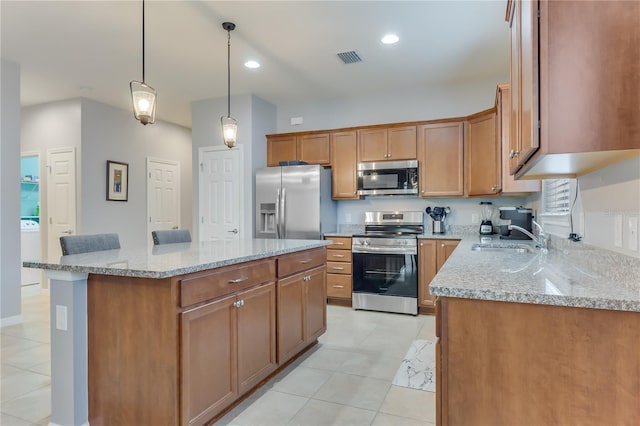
[570, 274]
[169, 260]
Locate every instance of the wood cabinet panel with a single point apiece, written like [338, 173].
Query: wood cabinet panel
[441, 156]
[281, 148]
[432, 255]
[372, 145]
[339, 268]
[402, 143]
[339, 255]
[291, 320]
[503, 114]
[200, 287]
[209, 351]
[514, 79]
[344, 165]
[339, 286]
[300, 261]
[541, 365]
[315, 303]
[529, 82]
[482, 156]
[256, 335]
[427, 270]
[314, 148]
[339, 243]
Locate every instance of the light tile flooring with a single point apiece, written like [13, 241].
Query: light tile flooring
[344, 380]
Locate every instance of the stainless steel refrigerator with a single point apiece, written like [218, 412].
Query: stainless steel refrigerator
[294, 202]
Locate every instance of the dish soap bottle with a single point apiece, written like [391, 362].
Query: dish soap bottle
[38, 210]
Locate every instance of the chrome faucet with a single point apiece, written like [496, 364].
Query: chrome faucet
[541, 240]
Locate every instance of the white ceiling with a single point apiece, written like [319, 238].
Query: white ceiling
[92, 49]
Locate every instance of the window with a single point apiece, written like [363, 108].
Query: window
[556, 196]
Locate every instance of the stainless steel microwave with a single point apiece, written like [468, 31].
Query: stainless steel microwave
[388, 178]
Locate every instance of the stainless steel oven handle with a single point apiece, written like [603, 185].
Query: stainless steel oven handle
[384, 250]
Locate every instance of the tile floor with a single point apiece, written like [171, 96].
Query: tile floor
[344, 380]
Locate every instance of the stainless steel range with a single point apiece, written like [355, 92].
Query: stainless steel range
[385, 262]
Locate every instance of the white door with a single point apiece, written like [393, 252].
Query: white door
[61, 197]
[220, 186]
[163, 195]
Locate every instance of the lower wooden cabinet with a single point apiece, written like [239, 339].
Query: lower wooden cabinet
[228, 347]
[339, 268]
[432, 255]
[302, 301]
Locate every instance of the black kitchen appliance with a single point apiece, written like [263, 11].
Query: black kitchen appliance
[486, 227]
[438, 214]
[518, 216]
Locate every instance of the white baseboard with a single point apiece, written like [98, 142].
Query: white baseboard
[16, 319]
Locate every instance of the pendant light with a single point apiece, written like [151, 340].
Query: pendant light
[229, 124]
[143, 96]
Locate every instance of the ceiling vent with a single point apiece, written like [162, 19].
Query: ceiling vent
[350, 57]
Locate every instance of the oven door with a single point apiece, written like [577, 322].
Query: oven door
[386, 274]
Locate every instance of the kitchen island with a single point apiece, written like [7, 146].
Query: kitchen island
[177, 333]
[530, 338]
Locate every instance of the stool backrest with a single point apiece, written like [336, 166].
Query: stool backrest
[171, 236]
[75, 244]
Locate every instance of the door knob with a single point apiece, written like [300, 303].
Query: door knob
[234, 231]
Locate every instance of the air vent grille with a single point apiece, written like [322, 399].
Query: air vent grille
[350, 57]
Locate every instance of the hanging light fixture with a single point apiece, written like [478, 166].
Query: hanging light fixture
[143, 96]
[229, 124]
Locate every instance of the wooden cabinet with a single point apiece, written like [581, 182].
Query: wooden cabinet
[344, 165]
[432, 255]
[236, 334]
[186, 348]
[523, 27]
[540, 364]
[313, 148]
[302, 301]
[441, 159]
[503, 115]
[339, 268]
[587, 116]
[482, 155]
[387, 144]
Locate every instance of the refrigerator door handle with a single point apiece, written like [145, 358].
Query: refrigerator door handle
[284, 212]
[278, 214]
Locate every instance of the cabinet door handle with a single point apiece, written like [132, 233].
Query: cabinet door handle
[339, 256]
[337, 268]
[304, 262]
[339, 243]
[238, 280]
[338, 286]
[494, 188]
[441, 245]
[241, 302]
[236, 304]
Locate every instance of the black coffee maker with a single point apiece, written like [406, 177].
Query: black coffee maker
[518, 216]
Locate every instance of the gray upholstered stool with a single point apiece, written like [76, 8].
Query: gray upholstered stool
[75, 244]
[171, 236]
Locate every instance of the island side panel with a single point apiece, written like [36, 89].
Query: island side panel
[133, 349]
[525, 364]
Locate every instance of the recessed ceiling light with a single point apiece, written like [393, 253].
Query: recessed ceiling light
[252, 64]
[390, 39]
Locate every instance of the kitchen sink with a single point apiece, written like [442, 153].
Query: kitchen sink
[503, 247]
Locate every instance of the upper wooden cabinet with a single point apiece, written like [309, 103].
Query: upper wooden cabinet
[582, 90]
[503, 116]
[343, 165]
[387, 144]
[441, 159]
[482, 155]
[313, 148]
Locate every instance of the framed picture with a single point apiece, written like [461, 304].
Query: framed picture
[117, 181]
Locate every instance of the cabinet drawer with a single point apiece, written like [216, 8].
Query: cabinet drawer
[339, 255]
[296, 262]
[339, 243]
[339, 286]
[339, 268]
[201, 287]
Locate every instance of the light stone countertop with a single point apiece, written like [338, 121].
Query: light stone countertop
[570, 274]
[168, 260]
